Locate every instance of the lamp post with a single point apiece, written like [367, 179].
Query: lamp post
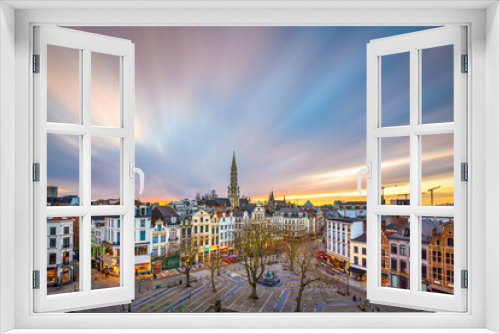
[347, 277]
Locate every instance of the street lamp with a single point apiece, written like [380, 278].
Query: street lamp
[347, 276]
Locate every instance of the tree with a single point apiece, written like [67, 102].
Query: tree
[188, 250]
[213, 265]
[291, 244]
[254, 244]
[306, 266]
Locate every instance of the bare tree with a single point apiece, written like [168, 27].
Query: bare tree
[291, 242]
[254, 244]
[306, 266]
[214, 264]
[188, 251]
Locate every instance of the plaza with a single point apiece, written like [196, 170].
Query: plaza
[169, 294]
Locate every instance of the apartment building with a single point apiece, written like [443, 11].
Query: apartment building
[441, 259]
[340, 232]
[60, 252]
[142, 239]
[112, 242]
[357, 267]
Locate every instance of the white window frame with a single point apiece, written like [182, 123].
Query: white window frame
[413, 43]
[484, 306]
[86, 44]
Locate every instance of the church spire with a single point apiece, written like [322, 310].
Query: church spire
[233, 191]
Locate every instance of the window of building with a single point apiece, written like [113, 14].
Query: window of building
[402, 250]
[394, 264]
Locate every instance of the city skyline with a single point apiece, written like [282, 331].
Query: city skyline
[288, 100]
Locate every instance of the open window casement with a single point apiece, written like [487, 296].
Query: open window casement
[63, 240]
[422, 269]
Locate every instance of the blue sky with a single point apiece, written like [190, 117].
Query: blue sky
[291, 101]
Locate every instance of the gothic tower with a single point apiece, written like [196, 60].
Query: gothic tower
[270, 202]
[233, 191]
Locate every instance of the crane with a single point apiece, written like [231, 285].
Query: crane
[383, 187]
[432, 193]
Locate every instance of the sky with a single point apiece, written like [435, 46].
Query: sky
[290, 101]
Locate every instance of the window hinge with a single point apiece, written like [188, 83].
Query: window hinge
[465, 63]
[36, 279]
[36, 63]
[465, 279]
[36, 172]
[464, 172]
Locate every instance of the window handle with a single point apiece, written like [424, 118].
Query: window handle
[368, 171]
[134, 170]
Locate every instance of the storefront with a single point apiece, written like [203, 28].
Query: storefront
[172, 262]
[143, 268]
[51, 276]
[359, 274]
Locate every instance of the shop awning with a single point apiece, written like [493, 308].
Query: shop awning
[357, 271]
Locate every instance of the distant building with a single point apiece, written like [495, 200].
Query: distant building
[352, 205]
[51, 191]
[441, 259]
[227, 227]
[399, 253]
[233, 191]
[201, 223]
[340, 233]
[291, 220]
[112, 245]
[63, 201]
[59, 251]
[142, 239]
[166, 224]
[357, 267]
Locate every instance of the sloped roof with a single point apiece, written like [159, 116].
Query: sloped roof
[360, 239]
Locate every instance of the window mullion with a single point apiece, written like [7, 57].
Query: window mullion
[414, 167]
[85, 178]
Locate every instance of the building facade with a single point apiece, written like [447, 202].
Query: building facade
[60, 262]
[340, 231]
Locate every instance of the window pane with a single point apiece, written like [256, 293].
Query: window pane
[395, 252]
[395, 94]
[63, 85]
[105, 248]
[63, 241]
[63, 169]
[437, 170]
[437, 84]
[105, 105]
[105, 170]
[438, 240]
[395, 170]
